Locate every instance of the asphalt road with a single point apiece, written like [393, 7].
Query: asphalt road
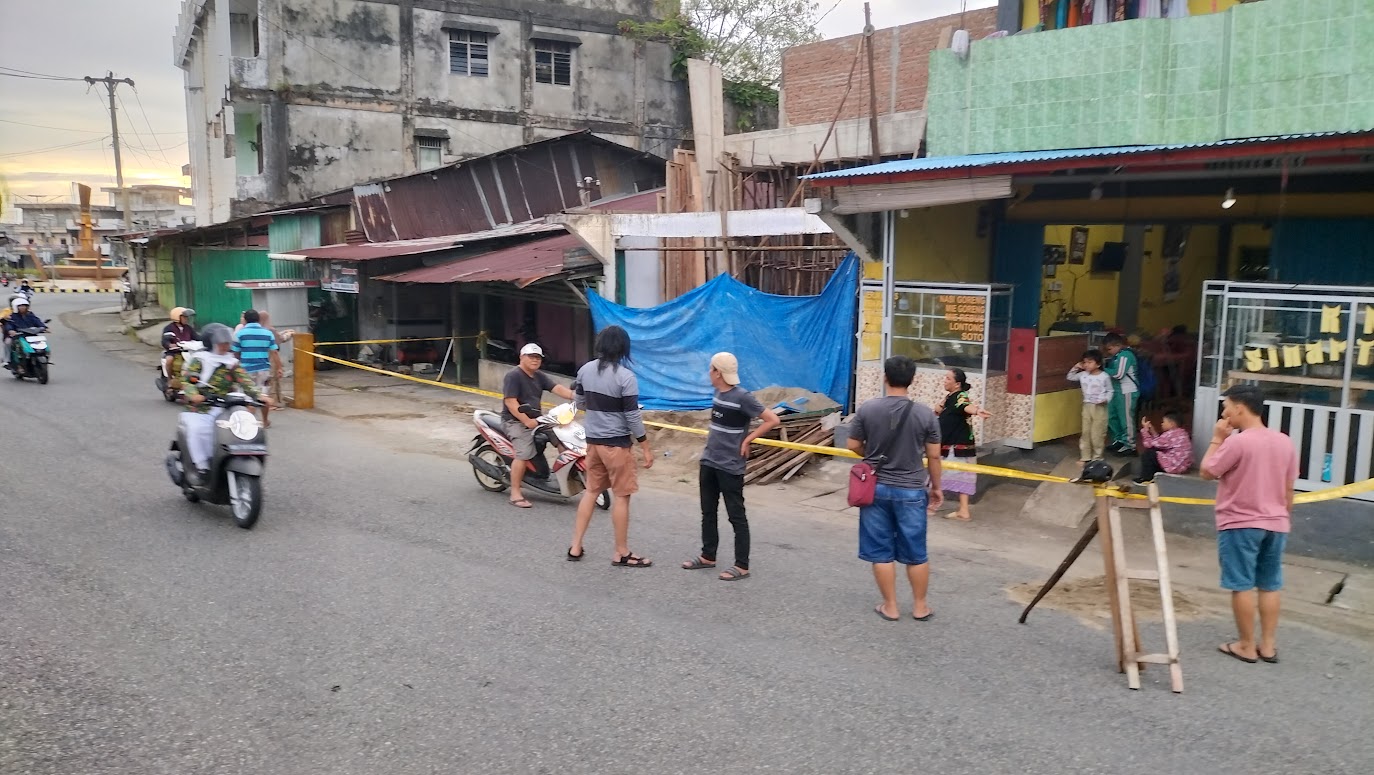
[387, 616]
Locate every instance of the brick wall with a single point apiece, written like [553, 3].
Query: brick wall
[814, 75]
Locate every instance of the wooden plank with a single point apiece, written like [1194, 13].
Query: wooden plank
[1166, 592]
[1142, 575]
[1130, 638]
[1104, 529]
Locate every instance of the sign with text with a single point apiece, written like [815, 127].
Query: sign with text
[340, 278]
[960, 317]
[1317, 351]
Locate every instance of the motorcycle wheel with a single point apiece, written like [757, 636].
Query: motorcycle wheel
[40, 370]
[190, 495]
[488, 455]
[603, 501]
[245, 500]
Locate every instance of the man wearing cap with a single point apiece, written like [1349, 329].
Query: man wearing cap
[722, 464]
[525, 386]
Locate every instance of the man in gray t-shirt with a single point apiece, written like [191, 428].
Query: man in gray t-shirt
[722, 465]
[893, 529]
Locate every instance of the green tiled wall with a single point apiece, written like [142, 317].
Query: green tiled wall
[1276, 67]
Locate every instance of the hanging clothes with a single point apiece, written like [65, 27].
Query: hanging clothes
[1046, 13]
[1075, 13]
[1177, 9]
[1101, 12]
[1118, 10]
[1150, 9]
[1061, 20]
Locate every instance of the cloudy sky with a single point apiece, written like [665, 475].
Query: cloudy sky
[53, 132]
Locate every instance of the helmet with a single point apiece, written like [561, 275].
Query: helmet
[18, 300]
[177, 312]
[168, 339]
[215, 334]
[1097, 471]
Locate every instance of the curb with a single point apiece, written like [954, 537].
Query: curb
[77, 290]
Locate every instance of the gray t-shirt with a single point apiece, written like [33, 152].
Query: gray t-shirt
[874, 424]
[731, 413]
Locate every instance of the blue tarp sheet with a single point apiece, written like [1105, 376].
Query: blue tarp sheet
[786, 341]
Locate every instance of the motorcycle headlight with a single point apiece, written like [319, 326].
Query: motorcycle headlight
[243, 425]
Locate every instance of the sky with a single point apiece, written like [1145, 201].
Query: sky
[54, 132]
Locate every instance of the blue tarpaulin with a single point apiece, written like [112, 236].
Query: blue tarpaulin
[785, 341]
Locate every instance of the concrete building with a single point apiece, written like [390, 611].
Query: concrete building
[288, 99]
[53, 229]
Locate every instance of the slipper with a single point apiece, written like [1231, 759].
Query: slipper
[955, 515]
[1272, 659]
[522, 504]
[576, 557]
[696, 563]
[1225, 648]
[925, 618]
[733, 574]
[632, 560]
[879, 611]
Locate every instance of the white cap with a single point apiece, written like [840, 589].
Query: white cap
[532, 349]
[728, 366]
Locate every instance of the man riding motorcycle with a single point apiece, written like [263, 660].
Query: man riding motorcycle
[211, 373]
[20, 317]
[182, 331]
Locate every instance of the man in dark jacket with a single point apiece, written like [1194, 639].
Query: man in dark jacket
[20, 317]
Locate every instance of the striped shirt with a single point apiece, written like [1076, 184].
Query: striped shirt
[610, 397]
[731, 413]
[254, 346]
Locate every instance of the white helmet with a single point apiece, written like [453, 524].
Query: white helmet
[18, 300]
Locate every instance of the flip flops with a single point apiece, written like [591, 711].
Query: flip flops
[1225, 648]
[696, 563]
[878, 609]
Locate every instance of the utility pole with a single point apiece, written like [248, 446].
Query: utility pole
[872, 89]
[111, 83]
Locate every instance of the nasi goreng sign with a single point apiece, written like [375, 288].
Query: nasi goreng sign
[1321, 350]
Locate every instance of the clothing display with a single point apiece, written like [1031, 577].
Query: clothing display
[1176, 9]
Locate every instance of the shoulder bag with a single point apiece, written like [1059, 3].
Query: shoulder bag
[863, 476]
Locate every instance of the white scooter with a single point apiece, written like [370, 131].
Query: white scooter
[492, 454]
[169, 384]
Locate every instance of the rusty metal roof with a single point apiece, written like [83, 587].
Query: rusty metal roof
[520, 264]
[514, 185]
[367, 251]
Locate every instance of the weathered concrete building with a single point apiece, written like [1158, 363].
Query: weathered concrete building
[288, 99]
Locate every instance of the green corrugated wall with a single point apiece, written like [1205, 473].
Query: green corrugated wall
[164, 277]
[210, 268]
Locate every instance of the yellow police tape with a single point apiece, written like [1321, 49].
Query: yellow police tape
[1333, 493]
[395, 341]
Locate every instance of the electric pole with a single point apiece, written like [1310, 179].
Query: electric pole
[111, 83]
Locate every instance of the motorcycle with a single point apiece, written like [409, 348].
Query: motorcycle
[30, 354]
[492, 454]
[236, 466]
[169, 384]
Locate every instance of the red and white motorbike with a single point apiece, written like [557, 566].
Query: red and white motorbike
[492, 454]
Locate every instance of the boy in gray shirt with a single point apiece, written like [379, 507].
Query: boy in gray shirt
[722, 465]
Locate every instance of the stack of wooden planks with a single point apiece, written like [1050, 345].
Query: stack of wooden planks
[769, 465]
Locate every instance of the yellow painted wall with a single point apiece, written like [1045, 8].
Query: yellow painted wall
[941, 245]
[1030, 9]
[1198, 265]
[1094, 293]
[1058, 415]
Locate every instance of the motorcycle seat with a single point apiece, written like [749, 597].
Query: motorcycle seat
[491, 420]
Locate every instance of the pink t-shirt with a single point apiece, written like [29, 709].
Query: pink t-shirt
[1257, 469]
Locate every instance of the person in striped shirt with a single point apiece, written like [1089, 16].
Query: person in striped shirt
[258, 353]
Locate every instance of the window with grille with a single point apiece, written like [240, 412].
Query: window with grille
[429, 152]
[553, 62]
[467, 53]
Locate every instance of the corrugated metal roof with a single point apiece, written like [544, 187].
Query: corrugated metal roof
[978, 160]
[519, 264]
[368, 251]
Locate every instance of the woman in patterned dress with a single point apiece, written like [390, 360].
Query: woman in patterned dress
[956, 439]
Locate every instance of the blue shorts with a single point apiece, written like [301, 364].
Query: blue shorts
[894, 527]
[1251, 557]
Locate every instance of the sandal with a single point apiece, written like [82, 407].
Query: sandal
[1272, 659]
[576, 557]
[632, 560]
[733, 574]
[1225, 648]
[697, 563]
[522, 504]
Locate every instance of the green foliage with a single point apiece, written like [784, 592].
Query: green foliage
[676, 31]
[745, 37]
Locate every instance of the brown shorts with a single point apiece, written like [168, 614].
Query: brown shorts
[613, 468]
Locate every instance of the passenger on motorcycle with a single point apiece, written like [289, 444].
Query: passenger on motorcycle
[182, 331]
[20, 317]
[525, 386]
[212, 373]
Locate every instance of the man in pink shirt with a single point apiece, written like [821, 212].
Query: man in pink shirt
[1256, 468]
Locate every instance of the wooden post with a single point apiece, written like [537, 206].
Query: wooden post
[303, 373]
[1104, 529]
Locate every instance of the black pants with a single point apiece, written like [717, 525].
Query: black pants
[1149, 464]
[714, 484]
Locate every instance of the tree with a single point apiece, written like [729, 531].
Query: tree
[745, 37]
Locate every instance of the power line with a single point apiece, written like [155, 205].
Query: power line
[137, 135]
[150, 125]
[16, 73]
[69, 129]
[34, 151]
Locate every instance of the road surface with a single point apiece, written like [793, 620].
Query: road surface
[387, 616]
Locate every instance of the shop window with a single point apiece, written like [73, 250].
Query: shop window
[963, 326]
[553, 62]
[468, 53]
[429, 152]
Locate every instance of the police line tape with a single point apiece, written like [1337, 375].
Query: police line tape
[1333, 493]
[396, 341]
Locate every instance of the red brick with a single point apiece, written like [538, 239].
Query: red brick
[814, 76]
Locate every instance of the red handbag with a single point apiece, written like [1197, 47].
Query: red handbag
[863, 476]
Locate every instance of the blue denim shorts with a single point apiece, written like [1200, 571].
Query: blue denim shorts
[894, 527]
[1251, 557]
